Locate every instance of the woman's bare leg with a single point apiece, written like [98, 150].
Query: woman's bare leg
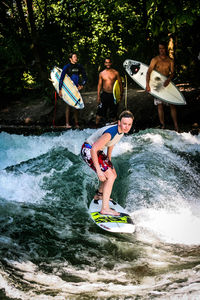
[111, 175]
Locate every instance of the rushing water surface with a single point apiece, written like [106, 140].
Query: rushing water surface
[49, 247]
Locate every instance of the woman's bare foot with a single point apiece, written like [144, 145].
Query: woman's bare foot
[110, 211]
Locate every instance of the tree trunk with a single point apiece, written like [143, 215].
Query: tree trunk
[35, 44]
[22, 19]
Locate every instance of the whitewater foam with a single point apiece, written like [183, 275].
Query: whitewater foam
[180, 227]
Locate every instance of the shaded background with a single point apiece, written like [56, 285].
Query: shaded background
[36, 35]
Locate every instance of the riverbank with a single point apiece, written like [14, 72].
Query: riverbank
[38, 115]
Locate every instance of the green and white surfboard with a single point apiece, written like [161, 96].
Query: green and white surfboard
[122, 223]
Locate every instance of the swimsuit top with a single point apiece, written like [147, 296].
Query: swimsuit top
[112, 129]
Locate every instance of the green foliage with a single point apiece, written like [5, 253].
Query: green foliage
[35, 35]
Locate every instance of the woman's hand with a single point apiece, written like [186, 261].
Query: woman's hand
[101, 175]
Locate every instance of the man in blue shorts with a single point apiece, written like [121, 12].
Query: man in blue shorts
[105, 97]
[92, 153]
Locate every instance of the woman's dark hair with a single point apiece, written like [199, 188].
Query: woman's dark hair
[126, 114]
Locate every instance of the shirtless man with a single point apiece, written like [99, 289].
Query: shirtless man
[165, 65]
[105, 99]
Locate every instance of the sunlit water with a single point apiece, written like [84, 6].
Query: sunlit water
[49, 247]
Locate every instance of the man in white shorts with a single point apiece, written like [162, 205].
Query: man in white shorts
[165, 65]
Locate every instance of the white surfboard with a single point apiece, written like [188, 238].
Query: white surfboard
[121, 224]
[70, 93]
[169, 94]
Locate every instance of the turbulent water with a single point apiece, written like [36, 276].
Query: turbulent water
[49, 247]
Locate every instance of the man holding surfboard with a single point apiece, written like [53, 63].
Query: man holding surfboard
[74, 70]
[92, 153]
[105, 98]
[164, 65]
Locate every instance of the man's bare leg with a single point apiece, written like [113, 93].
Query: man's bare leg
[98, 118]
[174, 116]
[161, 115]
[76, 118]
[67, 116]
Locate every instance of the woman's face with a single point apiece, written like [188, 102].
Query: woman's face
[125, 125]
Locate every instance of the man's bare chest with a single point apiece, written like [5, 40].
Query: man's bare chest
[109, 76]
[163, 67]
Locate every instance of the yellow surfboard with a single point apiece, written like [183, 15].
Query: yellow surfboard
[116, 92]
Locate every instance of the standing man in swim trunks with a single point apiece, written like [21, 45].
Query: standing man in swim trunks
[165, 65]
[105, 97]
[92, 153]
[73, 70]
